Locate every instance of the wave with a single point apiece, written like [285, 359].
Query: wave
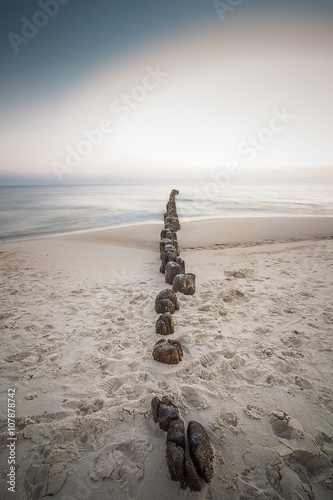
[33, 211]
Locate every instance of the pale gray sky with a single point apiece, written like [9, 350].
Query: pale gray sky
[253, 90]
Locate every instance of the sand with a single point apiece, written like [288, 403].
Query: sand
[77, 331]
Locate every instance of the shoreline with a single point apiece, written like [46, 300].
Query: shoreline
[255, 229]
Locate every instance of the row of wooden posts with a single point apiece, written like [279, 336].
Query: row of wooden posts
[171, 263]
[166, 303]
[189, 454]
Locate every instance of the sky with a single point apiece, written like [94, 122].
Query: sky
[140, 91]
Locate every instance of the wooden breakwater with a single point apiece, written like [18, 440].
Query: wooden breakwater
[166, 303]
[189, 454]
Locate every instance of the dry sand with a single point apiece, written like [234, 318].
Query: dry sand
[77, 331]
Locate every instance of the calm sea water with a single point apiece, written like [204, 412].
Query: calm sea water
[32, 211]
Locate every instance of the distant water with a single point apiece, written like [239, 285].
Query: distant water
[34, 211]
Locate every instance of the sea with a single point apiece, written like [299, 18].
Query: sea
[35, 211]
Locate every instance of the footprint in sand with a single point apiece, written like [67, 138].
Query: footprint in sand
[302, 382]
[87, 407]
[291, 477]
[287, 483]
[233, 295]
[241, 274]
[124, 463]
[43, 480]
[253, 411]
[50, 468]
[230, 420]
[205, 307]
[295, 340]
[285, 426]
[195, 397]
[113, 385]
[207, 360]
[323, 440]
[292, 354]
[12, 358]
[328, 316]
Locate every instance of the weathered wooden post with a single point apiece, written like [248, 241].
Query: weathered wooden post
[184, 283]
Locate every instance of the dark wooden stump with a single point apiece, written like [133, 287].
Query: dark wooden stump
[192, 477]
[168, 233]
[175, 452]
[164, 411]
[169, 247]
[176, 246]
[201, 450]
[176, 433]
[184, 283]
[166, 301]
[181, 262]
[169, 352]
[164, 233]
[172, 235]
[174, 221]
[163, 244]
[171, 270]
[167, 257]
[164, 324]
[171, 227]
[176, 463]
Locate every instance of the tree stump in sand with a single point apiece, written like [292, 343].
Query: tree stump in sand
[171, 270]
[192, 477]
[169, 247]
[176, 246]
[166, 301]
[171, 205]
[201, 450]
[171, 227]
[172, 212]
[176, 433]
[179, 462]
[176, 463]
[163, 244]
[184, 283]
[164, 324]
[175, 452]
[181, 262]
[168, 233]
[168, 256]
[164, 411]
[174, 221]
[169, 352]
[172, 236]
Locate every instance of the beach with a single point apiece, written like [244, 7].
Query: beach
[77, 333]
